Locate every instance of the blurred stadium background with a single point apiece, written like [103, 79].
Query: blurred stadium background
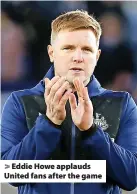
[25, 34]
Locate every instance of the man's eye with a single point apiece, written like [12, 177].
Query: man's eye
[66, 48]
[88, 50]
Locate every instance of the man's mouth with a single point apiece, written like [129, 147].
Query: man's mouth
[76, 69]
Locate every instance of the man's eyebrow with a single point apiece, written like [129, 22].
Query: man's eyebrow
[91, 48]
[72, 45]
[68, 45]
[88, 47]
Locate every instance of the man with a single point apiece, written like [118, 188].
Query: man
[69, 116]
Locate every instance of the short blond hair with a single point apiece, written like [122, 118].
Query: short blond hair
[75, 20]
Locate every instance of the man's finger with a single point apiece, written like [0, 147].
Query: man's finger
[72, 101]
[60, 92]
[79, 87]
[47, 80]
[56, 87]
[86, 96]
[76, 86]
[49, 84]
[64, 98]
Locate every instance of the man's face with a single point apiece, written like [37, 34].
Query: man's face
[74, 54]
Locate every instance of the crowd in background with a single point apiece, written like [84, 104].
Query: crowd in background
[25, 34]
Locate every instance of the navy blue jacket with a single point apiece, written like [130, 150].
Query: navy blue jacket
[20, 141]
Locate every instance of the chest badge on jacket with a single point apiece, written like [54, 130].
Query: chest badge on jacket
[100, 120]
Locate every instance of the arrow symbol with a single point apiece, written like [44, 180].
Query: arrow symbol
[7, 166]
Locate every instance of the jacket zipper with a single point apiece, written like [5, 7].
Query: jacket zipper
[72, 152]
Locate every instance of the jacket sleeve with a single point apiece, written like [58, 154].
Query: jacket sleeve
[17, 142]
[121, 155]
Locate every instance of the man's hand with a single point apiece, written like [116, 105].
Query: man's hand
[56, 95]
[82, 114]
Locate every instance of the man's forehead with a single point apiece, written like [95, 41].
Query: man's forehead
[85, 32]
[73, 37]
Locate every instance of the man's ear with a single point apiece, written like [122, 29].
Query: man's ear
[98, 54]
[50, 53]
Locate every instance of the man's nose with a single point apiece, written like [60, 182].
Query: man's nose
[78, 56]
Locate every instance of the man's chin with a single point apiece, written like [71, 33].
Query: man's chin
[71, 79]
